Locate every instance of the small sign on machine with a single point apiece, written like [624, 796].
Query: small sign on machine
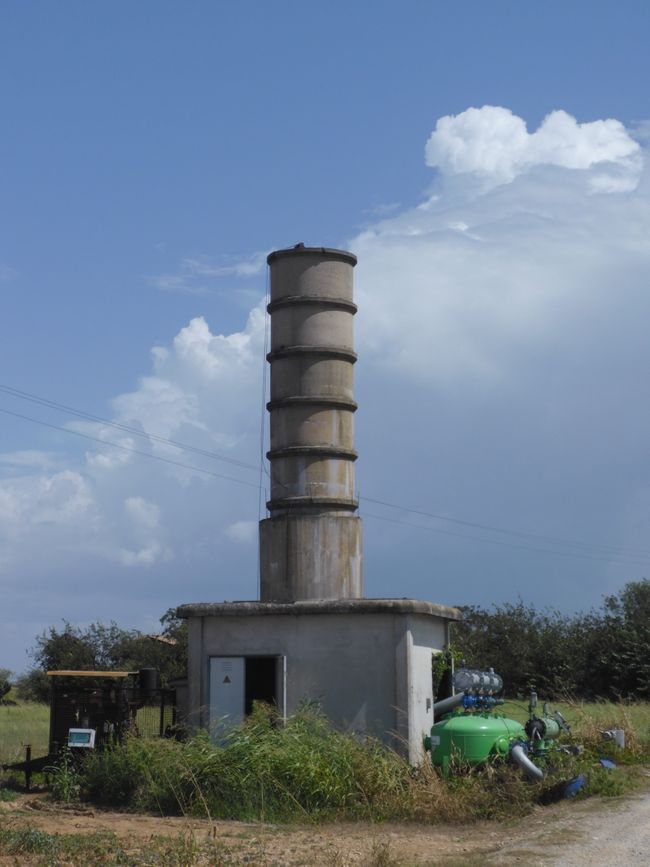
[84, 738]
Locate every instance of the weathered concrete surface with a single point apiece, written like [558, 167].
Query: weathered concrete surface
[311, 375]
[311, 546]
[305, 553]
[329, 606]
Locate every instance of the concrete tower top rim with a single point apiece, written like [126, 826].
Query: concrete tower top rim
[301, 250]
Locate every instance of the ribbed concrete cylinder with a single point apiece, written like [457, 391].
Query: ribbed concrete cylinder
[310, 547]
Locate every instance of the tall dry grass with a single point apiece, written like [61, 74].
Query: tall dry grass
[303, 770]
[265, 770]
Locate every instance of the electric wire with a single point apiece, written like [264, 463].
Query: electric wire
[262, 424]
[61, 407]
[612, 551]
[129, 449]
[555, 540]
[501, 543]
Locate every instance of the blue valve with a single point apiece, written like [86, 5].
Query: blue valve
[482, 702]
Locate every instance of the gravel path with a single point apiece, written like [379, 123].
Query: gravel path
[611, 833]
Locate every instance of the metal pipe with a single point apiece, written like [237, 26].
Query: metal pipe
[520, 758]
[447, 704]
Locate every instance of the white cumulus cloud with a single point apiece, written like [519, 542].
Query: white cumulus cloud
[494, 143]
[118, 508]
[473, 277]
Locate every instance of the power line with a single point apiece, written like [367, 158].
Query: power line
[128, 449]
[534, 537]
[555, 540]
[494, 541]
[61, 407]
[260, 498]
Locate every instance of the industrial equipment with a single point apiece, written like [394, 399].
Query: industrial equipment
[470, 732]
[95, 709]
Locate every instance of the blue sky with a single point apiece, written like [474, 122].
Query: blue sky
[153, 152]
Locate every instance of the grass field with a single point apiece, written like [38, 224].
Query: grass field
[28, 723]
[20, 724]
[588, 719]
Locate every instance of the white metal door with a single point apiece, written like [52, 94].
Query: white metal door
[227, 693]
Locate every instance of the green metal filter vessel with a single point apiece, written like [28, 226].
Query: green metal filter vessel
[473, 737]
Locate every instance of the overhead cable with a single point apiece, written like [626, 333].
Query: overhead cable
[61, 407]
[128, 449]
[501, 543]
[611, 550]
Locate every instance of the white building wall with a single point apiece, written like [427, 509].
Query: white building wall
[370, 672]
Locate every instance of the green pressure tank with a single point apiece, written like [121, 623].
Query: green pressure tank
[472, 738]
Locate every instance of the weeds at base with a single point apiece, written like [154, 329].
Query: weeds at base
[306, 771]
[65, 779]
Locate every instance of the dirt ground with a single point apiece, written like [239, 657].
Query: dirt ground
[595, 832]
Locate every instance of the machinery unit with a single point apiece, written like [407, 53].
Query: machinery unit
[105, 705]
[471, 733]
[94, 709]
[473, 738]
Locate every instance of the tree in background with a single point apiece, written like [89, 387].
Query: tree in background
[619, 650]
[526, 647]
[101, 647]
[5, 682]
[603, 654]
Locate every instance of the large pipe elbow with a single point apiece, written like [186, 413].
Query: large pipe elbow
[446, 705]
[520, 758]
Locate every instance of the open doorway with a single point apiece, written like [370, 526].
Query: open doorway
[261, 681]
[238, 681]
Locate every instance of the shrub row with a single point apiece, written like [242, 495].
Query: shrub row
[603, 654]
[307, 770]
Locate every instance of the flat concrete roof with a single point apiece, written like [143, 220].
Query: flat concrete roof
[319, 606]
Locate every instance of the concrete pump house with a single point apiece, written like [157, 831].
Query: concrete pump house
[313, 636]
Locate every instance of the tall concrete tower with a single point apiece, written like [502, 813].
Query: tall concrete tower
[313, 636]
[311, 545]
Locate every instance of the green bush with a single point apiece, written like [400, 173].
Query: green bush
[264, 770]
[5, 682]
[602, 654]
